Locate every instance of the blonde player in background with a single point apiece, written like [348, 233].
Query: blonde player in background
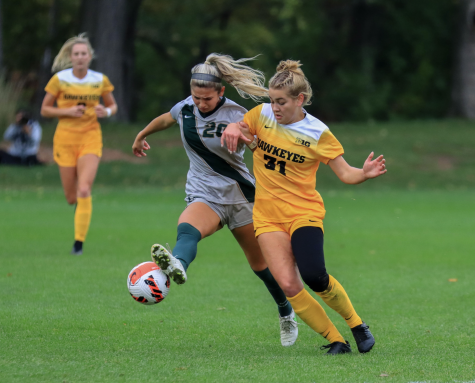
[289, 144]
[219, 187]
[77, 143]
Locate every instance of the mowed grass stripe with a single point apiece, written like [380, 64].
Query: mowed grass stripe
[65, 318]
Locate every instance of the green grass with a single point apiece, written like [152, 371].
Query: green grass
[420, 155]
[70, 319]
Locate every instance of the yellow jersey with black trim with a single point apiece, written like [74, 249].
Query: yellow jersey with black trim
[286, 161]
[70, 91]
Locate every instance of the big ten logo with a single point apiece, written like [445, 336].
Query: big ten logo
[302, 142]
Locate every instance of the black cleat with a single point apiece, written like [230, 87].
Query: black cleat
[77, 248]
[363, 337]
[337, 348]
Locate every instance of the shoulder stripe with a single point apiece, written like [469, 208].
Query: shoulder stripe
[215, 162]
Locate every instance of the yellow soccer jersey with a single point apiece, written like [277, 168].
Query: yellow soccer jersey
[286, 161]
[70, 91]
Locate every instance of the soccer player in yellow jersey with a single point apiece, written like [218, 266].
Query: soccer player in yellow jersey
[289, 144]
[219, 187]
[77, 143]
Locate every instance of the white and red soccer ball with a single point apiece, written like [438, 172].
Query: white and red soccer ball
[148, 284]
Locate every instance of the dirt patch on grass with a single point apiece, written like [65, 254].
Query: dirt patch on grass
[438, 162]
[45, 154]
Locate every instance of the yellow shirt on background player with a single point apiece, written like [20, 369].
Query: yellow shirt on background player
[285, 164]
[70, 91]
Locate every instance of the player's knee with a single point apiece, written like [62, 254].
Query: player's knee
[84, 191]
[71, 200]
[317, 283]
[289, 288]
[185, 230]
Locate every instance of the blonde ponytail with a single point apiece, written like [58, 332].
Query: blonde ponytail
[248, 82]
[290, 76]
[63, 59]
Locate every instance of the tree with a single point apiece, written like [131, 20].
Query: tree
[111, 26]
[1, 37]
[44, 72]
[463, 93]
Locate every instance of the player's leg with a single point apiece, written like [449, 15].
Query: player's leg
[87, 166]
[277, 252]
[248, 242]
[68, 175]
[307, 245]
[196, 222]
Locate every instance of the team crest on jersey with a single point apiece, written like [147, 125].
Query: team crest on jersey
[300, 141]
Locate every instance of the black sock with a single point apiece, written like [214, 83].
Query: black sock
[283, 304]
[77, 245]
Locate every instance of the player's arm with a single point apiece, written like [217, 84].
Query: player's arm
[160, 123]
[350, 175]
[236, 133]
[49, 110]
[109, 108]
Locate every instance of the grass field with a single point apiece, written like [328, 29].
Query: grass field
[71, 319]
[403, 250]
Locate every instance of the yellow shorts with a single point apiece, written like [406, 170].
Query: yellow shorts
[68, 155]
[261, 227]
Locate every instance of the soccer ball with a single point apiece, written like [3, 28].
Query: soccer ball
[148, 284]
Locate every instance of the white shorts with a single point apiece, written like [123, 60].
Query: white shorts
[232, 215]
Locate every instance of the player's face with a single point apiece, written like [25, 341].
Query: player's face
[287, 109]
[80, 56]
[206, 99]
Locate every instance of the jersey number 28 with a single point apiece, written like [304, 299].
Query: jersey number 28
[210, 127]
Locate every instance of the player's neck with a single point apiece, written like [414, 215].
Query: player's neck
[298, 117]
[79, 73]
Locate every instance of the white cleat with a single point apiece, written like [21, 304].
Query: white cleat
[289, 330]
[169, 264]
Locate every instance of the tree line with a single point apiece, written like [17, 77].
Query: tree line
[366, 59]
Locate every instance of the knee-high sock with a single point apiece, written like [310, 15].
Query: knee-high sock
[335, 296]
[82, 218]
[186, 244]
[283, 304]
[310, 311]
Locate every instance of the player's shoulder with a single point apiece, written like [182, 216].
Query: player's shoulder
[66, 75]
[262, 109]
[178, 107]
[232, 105]
[310, 126]
[186, 102]
[93, 76]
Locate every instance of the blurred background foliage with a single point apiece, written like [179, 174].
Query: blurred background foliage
[366, 59]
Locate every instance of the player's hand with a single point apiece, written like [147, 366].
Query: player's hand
[232, 135]
[374, 168]
[100, 111]
[139, 147]
[76, 111]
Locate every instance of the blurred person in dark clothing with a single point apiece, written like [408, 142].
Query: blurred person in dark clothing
[24, 136]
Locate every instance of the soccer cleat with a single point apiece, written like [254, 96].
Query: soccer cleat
[337, 348]
[289, 330]
[169, 264]
[77, 248]
[363, 337]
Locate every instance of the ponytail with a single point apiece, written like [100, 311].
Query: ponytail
[248, 82]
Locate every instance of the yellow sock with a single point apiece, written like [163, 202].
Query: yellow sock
[82, 218]
[310, 311]
[335, 296]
